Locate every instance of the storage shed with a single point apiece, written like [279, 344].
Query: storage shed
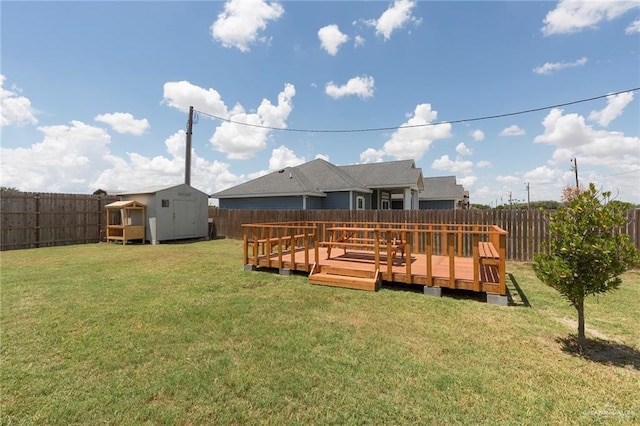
[173, 212]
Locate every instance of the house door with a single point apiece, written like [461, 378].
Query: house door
[184, 218]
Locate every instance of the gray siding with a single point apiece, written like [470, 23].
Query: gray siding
[437, 204]
[262, 203]
[336, 201]
[315, 203]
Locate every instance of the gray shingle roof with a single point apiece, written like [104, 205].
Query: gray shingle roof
[318, 177]
[390, 174]
[441, 188]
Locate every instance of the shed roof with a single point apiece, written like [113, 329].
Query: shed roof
[158, 188]
[122, 204]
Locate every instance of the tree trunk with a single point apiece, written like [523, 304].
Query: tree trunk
[581, 337]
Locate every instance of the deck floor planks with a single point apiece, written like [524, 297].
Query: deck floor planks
[365, 261]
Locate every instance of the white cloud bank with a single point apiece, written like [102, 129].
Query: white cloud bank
[242, 20]
[124, 123]
[413, 138]
[615, 106]
[331, 38]
[244, 134]
[550, 67]
[16, 109]
[69, 156]
[573, 137]
[363, 87]
[571, 16]
[395, 17]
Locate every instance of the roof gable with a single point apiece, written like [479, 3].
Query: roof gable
[390, 174]
[441, 188]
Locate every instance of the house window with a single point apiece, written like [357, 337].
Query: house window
[165, 203]
[385, 204]
[359, 203]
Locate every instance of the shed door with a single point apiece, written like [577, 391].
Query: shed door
[184, 218]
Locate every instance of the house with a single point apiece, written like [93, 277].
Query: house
[319, 184]
[173, 212]
[442, 192]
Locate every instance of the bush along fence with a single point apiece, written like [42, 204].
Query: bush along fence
[527, 229]
[31, 220]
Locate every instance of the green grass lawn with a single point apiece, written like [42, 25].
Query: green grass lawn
[181, 334]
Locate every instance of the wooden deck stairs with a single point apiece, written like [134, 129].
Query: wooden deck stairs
[345, 278]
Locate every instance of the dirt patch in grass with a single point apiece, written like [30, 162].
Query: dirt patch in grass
[574, 325]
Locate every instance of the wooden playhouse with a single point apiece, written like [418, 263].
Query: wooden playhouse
[125, 221]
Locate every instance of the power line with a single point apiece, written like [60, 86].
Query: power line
[380, 129]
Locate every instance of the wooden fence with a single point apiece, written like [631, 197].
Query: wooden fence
[527, 228]
[31, 220]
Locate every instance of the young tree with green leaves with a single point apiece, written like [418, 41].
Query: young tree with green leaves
[587, 252]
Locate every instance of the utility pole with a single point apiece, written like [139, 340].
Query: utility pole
[528, 195]
[187, 161]
[575, 169]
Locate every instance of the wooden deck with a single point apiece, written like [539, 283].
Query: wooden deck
[449, 256]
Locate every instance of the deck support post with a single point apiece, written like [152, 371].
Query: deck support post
[249, 267]
[284, 271]
[433, 291]
[496, 299]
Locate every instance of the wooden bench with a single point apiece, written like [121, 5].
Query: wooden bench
[488, 253]
[366, 244]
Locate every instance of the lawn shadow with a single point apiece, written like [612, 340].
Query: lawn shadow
[521, 299]
[602, 351]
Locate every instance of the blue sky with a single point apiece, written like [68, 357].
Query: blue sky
[96, 94]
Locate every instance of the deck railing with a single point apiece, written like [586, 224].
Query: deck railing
[268, 242]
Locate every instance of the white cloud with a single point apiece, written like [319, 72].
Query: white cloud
[182, 94]
[454, 166]
[238, 141]
[463, 150]
[509, 180]
[633, 27]
[413, 138]
[358, 41]
[241, 141]
[477, 135]
[572, 16]
[144, 171]
[395, 17]
[241, 21]
[331, 38]
[362, 87]
[615, 107]
[16, 109]
[542, 174]
[322, 156]
[466, 181]
[512, 130]
[282, 157]
[483, 164]
[550, 67]
[573, 137]
[371, 155]
[124, 123]
[68, 157]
